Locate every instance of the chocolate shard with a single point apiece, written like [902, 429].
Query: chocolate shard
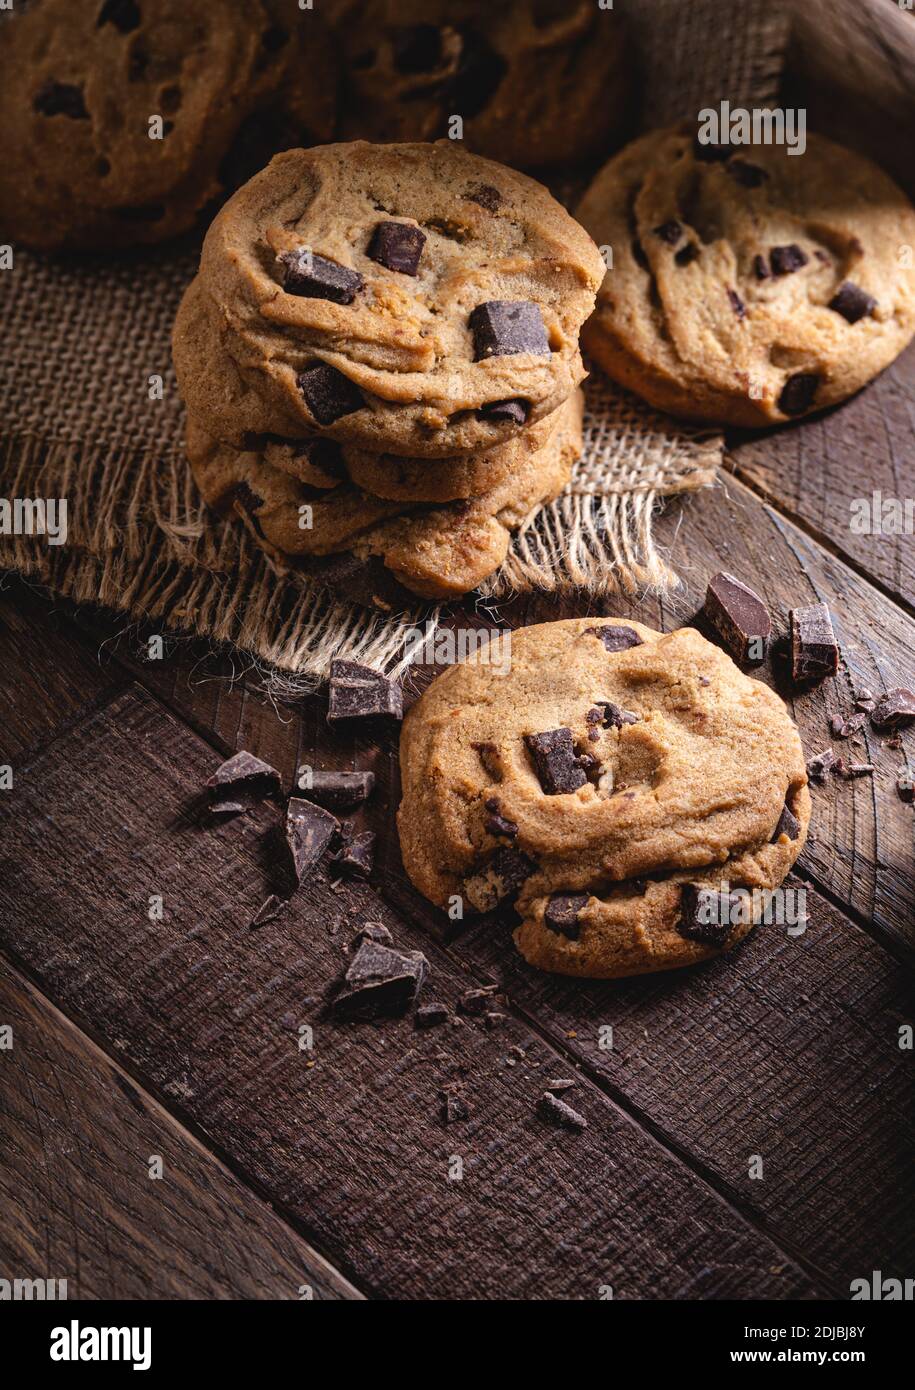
[760, 267]
[430, 1015]
[496, 823]
[788, 824]
[849, 771]
[905, 785]
[739, 617]
[798, 393]
[340, 791]
[614, 717]
[360, 692]
[476, 1001]
[819, 765]
[397, 246]
[749, 175]
[558, 768]
[499, 879]
[268, 910]
[562, 913]
[373, 931]
[309, 830]
[380, 982]
[616, 637]
[488, 197]
[241, 781]
[865, 699]
[704, 915]
[311, 276]
[669, 231]
[852, 302]
[328, 394]
[356, 856]
[515, 412]
[814, 649]
[502, 327]
[785, 260]
[894, 710]
[452, 1108]
[61, 99]
[558, 1112]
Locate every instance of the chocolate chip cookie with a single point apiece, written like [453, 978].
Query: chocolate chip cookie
[536, 82]
[408, 299]
[622, 785]
[749, 285]
[84, 86]
[295, 503]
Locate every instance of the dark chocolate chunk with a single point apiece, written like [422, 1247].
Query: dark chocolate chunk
[476, 1001]
[618, 638]
[852, 302]
[397, 246]
[417, 48]
[498, 879]
[558, 1113]
[844, 728]
[814, 650]
[819, 765]
[513, 411]
[123, 14]
[558, 768]
[788, 824]
[865, 699]
[430, 1015]
[242, 780]
[268, 910]
[749, 175]
[61, 99]
[501, 327]
[687, 254]
[785, 260]
[380, 981]
[849, 771]
[309, 830]
[894, 710]
[615, 717]
[562, 913]
[452, 1108]
[798, 393]
[704, 915]
[905, 785]
[314, 277]
[488, 197]
[760, 267]
[593, 735]
[356, 856]
[489, 757]
[340, 791]
[359, 692]
[737, 304]
[711, 151]
[328, 393]
[739, 617]
[669, 231]
[496, 823]
[480, 70]
[373, 931]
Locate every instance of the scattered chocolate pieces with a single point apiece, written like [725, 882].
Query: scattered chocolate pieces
[865, 699]
[309, 830]
[430, 1015]
[513, 411]
[340, 791]
[905, 785]
[360, 692]
[311, 276]
[749, 175]
[760, 267]
[737, 304]
[380, 981]
[852, 302]
[240, 781]
[496, 823]
[452, 1108]
[328, 394]
[268, 910]
[618, 638]
[397, 246]
[356, 856]
[669, 231]
[488, 197]
[500, 878]
[785, 260]
[798, 393]
[505, 326]
[562, 913]
[740, 618]
[894, 710]
[788, 824]
[476, 1001]
[841, 727]
[820, 764]
[558, 1113]
[814, 650]
[61, 99]
[849, 771]
[704, 915]
[557, 766]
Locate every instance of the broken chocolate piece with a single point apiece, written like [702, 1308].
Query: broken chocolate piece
[760, 267]
[502, 327]
[788, 824]
[356, 856]
[785, 260]
[852, 302]
[558, 1113]
[430, 1015]
[844, 728]
[452, 1108]
[380, 981]
[749, 175]
[894, 710]
[819, 765]
[704, 915]
[865, 699]
[241, 781]
[669, 231]
[328, 394]
[373, 931]
[798, 393]
[61, 99]
[311, 276]
[562, 913]
[123, 14]
[615, 717]
[849, 771]
[309, 830]
[476, 1001]
[558, 768]
[496, 823]
[360, 692]
[397, 246]
[513, 411]
[905, 785]
[340, 791]
[500, 878]
[687, 254]
[814, 650]
[616, 638]
[561, 1084]
[488, 197]
[739, 617]
[268, 910]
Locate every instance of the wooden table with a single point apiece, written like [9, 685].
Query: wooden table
[287, 1169]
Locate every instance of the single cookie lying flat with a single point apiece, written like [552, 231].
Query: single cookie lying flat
[294, 507]
[748, 285]
[408, 299]
[612, 773]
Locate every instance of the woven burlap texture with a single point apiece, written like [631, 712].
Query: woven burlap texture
[91, 413]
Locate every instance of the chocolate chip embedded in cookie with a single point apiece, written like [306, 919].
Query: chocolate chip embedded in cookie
[748, 286]
[625, 852]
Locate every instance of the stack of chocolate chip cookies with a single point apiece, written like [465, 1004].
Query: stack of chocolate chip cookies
[380, 358]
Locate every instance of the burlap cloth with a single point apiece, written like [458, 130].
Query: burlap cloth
[85, 341]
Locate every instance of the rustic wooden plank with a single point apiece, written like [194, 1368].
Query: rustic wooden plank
[77, 1136]
[345, 1137]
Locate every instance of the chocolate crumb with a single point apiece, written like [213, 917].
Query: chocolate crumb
[905, 785]
[849, 771]
[268, 910]
[430, 1015]
[476, 1001]
[820, 764]
[558, 1113]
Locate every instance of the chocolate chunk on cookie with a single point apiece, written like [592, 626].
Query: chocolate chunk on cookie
[616, 637]
[328, 394]
[314, 277]
[852, 302]
[397, 246]
[799, 393]
[704, 915]
[788, 824]
[513, 412]
[502, 327]
[563, 911]
[785, 260]
[555, 761]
